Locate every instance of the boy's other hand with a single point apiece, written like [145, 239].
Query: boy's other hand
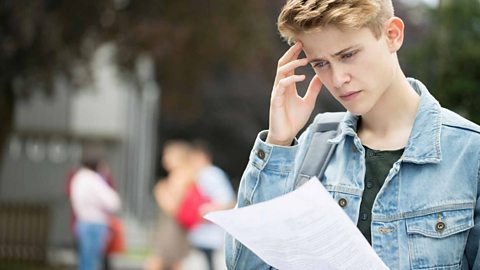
[289, 112]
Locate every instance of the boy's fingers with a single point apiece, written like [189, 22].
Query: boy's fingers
[289, 68]
[291, 54]
[284, 83]
[313, 89]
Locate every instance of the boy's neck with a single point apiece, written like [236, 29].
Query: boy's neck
[389, 124]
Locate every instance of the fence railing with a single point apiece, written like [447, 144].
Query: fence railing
[24, 229]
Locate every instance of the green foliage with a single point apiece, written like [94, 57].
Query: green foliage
[449, 60]
[190, 41]
[42, 38]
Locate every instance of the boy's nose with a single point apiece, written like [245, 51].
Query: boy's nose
[340, 77]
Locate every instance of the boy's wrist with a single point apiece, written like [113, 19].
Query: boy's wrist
[272, 141]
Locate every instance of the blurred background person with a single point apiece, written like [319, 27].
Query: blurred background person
[171, 245]
[113, 243]
[115, 239]
[93, 202]
[215, 185]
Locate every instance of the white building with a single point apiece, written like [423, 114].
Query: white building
[50, 133]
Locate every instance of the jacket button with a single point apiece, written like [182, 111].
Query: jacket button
[440, 227]
[342, 202]
[261, 154]
[364, 217]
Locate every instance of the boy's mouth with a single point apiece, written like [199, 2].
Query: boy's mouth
[349, 95]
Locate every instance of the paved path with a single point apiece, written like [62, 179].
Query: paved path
[66, 260]
[194, 261]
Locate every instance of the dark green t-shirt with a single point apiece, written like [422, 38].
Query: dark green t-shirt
[378, 164]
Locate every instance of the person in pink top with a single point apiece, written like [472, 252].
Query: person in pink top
[93, 202]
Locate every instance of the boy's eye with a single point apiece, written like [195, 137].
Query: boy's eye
[320, 64]
[348, 55]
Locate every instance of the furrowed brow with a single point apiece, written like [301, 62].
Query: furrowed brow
[316, 60]
[335, 54]
[345, 50]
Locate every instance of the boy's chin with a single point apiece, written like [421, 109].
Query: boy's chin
[357, 110]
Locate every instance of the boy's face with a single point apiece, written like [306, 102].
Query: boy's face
[355, 66]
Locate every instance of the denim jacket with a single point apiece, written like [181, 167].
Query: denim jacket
[426, 215]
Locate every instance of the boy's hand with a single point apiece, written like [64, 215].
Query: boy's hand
[289, 112]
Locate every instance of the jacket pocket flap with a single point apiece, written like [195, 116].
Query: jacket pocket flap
[441, 224]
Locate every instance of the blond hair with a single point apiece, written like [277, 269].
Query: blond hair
[302, 16]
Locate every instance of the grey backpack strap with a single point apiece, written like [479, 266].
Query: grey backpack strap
[319, 151]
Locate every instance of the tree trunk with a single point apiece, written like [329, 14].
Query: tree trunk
[7, 103]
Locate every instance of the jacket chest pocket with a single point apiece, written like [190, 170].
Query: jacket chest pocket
[437, 241]
[350, 203]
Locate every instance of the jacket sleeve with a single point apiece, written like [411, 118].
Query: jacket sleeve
[269, 174]
[471, 258]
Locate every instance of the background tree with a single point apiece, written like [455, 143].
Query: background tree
[449, 59]
[41, 39]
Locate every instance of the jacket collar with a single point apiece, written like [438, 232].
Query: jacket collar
[423, 145]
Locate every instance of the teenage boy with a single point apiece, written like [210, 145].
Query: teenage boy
[404, 169]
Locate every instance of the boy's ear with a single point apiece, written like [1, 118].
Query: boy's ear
[394, 33]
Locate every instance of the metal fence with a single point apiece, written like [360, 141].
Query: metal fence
[24, 229]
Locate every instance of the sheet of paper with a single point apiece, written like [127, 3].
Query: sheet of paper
[304, 229]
